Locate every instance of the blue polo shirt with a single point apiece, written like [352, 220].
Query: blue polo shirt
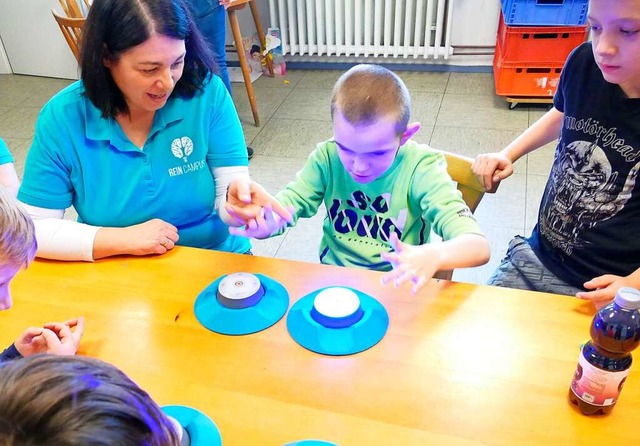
[5, 155]
[80, 158]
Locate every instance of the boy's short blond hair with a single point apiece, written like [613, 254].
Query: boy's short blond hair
[17, 234]
[366, 93]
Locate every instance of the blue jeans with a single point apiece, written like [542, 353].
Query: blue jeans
[210, 19]
[522, 269]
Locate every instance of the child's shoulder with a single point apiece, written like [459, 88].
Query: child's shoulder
[415, 152]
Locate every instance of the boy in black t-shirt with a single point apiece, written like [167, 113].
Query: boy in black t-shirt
[585, 242]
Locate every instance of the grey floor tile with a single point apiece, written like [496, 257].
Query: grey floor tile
[45, 91]
[539, 161]
[425, 107]
[18, 148]
[4, 109]
[537, 111]
[431, 82]
[267, 247]
[275, 172]
[267, 101]
[19, 122]
[507, 206]
[474, 141]
[251, 131]
[471, 83]
[319, 79]
[291, 137]
[309, 104]
[303, 240]
[289, 81]
[480, 111]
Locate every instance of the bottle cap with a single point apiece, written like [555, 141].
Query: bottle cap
[628, 298]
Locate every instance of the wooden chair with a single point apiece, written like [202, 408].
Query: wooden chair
[71, 28]
[459, 169]
[231, 8]
[73, 9]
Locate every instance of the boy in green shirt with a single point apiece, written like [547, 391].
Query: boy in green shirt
[384, 193]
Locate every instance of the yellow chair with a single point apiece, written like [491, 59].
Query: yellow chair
[73, 9]
[231, 8]
[71, 28]
[459, 169]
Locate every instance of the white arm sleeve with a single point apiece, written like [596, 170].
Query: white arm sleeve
[223, 176]
[61, 239]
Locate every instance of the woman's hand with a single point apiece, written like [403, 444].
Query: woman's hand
[262, 226]
[58, 338]
[246, 201]
[151, 237]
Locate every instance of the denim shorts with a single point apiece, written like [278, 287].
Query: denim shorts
[522, 269]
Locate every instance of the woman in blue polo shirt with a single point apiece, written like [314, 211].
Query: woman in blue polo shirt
[147, 147]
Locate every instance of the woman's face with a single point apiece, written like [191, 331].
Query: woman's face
[147, 73]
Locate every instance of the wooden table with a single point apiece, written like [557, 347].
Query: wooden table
[460, 364]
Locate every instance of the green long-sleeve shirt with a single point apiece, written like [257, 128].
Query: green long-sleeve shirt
[414, 196]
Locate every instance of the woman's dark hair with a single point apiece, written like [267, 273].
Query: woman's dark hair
[114, 26]
[73, 400]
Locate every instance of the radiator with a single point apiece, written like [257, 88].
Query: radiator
[366, 28]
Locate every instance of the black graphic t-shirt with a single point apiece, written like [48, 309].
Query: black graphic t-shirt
[590, 209]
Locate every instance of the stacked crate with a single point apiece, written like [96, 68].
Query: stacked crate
[534, 39]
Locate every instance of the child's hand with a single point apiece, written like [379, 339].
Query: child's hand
[56, 338]
[603, 289]
[415, 263]
[262, 226]
[491, 168]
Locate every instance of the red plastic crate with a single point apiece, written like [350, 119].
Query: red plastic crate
[548, 44]
[525, 79]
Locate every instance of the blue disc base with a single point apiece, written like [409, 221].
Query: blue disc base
[216, 317]
[201, 429]
[362, 335]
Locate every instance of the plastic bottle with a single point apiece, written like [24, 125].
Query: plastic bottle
[603, 364]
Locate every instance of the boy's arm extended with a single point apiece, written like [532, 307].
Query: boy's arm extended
[302, 198]
[491, 168]
[418, 264]
[442, 205]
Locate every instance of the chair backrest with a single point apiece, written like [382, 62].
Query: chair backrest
[72, 31]
[459, 169]
[73, 9]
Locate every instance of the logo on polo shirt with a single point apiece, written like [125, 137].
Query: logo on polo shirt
[182, 147]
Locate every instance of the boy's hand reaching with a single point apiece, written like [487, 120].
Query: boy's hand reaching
[56, 338]
[262, 226]
[604, 288]
[491, 168]
[415, 263]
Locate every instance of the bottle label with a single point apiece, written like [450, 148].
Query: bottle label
[596, 386]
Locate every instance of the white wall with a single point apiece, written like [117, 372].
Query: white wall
[34, 44]
[475, 22]
[4, 60]
[32, 40]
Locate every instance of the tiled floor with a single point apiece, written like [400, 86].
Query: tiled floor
[458, 111]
